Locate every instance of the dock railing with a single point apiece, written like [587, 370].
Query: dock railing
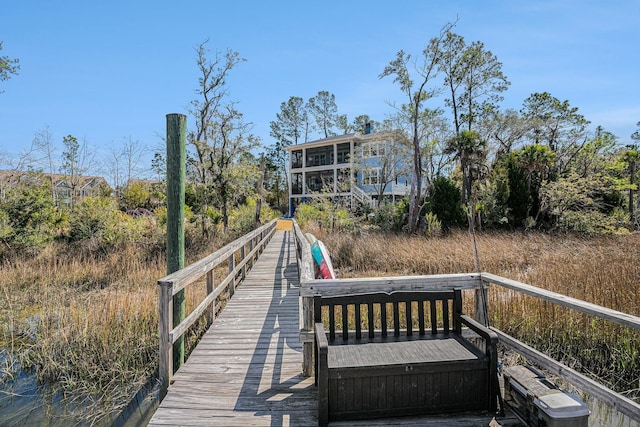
[305, 275]
[605, 395]
[240, 256]
[473, 281]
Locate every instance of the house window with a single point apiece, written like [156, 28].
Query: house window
[374, 149]
[320, 156]
[296, 183]
[344, 152]
[316, 181]
[296, 159]
[371, 176]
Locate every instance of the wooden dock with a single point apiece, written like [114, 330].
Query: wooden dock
[247, 369]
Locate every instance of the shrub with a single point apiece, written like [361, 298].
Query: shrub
[29, 217]
[434, 226]
[135, 196]
[99, 218]
[242, 218]
[324, 213]
[390, 216]
[444, 202]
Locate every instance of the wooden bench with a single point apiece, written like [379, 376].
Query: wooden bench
[401, 353]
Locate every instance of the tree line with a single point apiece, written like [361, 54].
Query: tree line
[540, 166]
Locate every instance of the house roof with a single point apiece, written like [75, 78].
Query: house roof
[137, 181]
[355, 137]
[11, 177]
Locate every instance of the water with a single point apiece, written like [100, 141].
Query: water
[24, 402]
[602, 415]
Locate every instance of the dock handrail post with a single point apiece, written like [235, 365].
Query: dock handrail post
[211, 312]
[232, 266]
[482, 315]
[176, 170]
[165, 321]
[305, 273]
[243, 255]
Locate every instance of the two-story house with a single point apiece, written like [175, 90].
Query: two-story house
[352, 168]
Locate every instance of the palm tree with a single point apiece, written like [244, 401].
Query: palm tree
[536, 158]
[471, 150]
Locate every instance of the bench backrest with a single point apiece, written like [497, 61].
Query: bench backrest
[374, 315]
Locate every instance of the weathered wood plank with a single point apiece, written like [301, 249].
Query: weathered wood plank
[247, 368]
[231, 417]
[436, 282]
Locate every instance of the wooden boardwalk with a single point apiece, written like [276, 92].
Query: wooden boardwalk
[247, 369]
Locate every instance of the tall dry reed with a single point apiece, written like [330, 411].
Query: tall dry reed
[85, 321]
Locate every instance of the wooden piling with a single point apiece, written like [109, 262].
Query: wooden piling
[176, 170]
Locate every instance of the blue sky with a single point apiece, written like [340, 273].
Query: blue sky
[109, 71]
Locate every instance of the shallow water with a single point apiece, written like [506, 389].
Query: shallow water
[602, 415]
[23, 402]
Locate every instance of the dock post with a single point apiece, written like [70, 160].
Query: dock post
[176, 170]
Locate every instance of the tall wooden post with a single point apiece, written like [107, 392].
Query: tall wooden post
[176, 169]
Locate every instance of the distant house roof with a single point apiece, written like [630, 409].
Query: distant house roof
[12, 177]
[135, 181]
[355, 137]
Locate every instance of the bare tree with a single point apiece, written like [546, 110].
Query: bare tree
[132, 152]
[231, 140]
[383, 162]
[417, 92]
[43, 144]
[213, 120]
[114, 167]
[212, 91]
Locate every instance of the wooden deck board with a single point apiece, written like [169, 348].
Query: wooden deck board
[247, 369]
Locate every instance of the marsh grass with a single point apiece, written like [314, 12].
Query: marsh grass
[602, 270]
[85, 321]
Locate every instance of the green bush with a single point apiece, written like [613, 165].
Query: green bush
[242, 218]
[434, 226]
[325, 214]
[594, 222]
[306, 213]
[444, 202]
[390, 216]
[100, 219]
[135, 196]
[29, 218]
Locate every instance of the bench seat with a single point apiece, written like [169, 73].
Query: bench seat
[364, 354]
[410, 369]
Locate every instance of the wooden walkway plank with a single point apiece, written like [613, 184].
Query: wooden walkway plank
[246, 370]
